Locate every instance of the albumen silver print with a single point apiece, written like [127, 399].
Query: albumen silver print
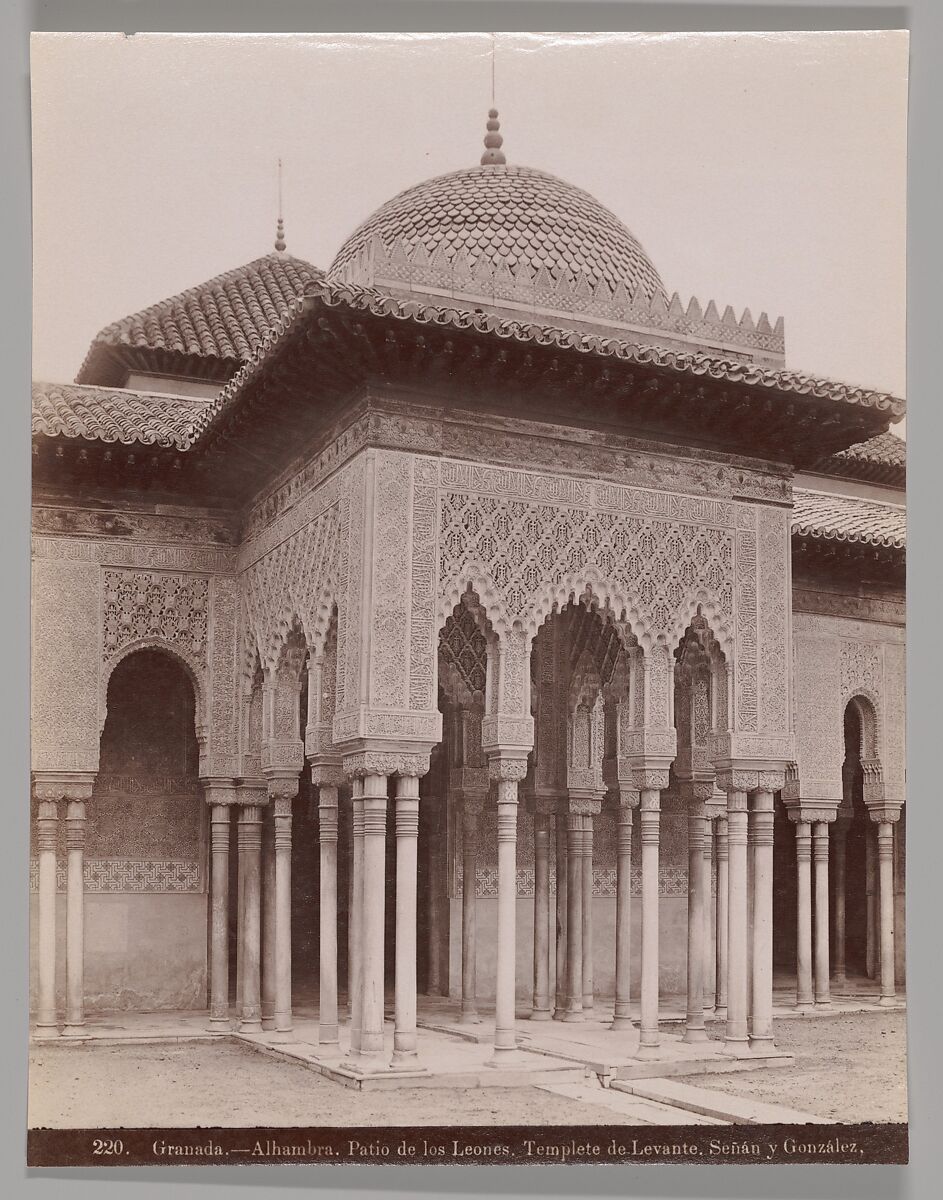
[468, 655]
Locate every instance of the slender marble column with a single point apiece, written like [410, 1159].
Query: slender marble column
[735, 1039]
[560, 849]
[541, 1010]
[805, 996]
[574, 918]
[434, 900]
[250, 851]
[374, 884]
[219, 934]
[820, 870]
[587, 885]
[47, 826]
[470, 813]
[648, 1024]
[621, 1017]
[709, 951]
[282, 851]
[720, 985]
[505, 1040]
[355, 918]
[694, 1030]
[240, 916]
[405, 1042]
[761, 1037]
[839, 842]
[885, 854]
[268, 918]
[327, 918]
[870, 874]
[75, 916]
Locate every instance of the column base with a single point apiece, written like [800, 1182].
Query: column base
[268, 1023]
[692, 1036]
[469, 1018]
[888, 1002]
[504, 1056]
[762, 1045]
[824, 1003]
[327, 1035]
[406, 1060]
[44, 1032]
[736, 1047]
[73, 1029]
[573, 1015]
[720, 1012]
[219, 1025]
[648, 1051]
[283, 1023]
[587, 1005]
[541, 1014]
[619, 1023]
[252, 1025]
[805, 1006]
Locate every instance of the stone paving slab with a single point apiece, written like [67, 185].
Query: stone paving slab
[636, 1110]
[739, 1110]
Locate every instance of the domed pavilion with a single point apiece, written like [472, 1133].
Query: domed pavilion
[472, 622]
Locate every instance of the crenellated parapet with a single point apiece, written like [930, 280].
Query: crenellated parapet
[570, 297]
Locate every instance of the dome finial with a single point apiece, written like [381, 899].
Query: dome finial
[280, 226]
[493, 155]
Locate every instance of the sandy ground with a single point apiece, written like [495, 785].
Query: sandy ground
[188, 1085]
[848, 1068]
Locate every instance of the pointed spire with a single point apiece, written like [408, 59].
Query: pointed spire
[280, 226]
[493, 155]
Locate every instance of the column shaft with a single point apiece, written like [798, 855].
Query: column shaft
[709, 950]
[469, 915]
[47, 827]
[240, 917]
[839, 842]
[735, 1038]
[587, 885]
[621, 1015]
[560, 851]
[268, 918]
[282, 847]
[574, 918]
[871, 944]
[405, 1043]
[885, 840]
[374, 885]
[75, 916]
[761, 1037]
[541, 1009]
[805, 996]
[327, 917]
[504, 1032]
[820, 870]
[694, 1030]
[720, 966]
[355, 918]
[250, 851]
[219, 932]
[648, 1024]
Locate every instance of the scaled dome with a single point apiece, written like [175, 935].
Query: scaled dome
[511, 216]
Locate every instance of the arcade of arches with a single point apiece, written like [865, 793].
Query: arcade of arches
[506, 749]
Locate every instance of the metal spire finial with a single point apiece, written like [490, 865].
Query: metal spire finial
[493, 155]
[280, 227]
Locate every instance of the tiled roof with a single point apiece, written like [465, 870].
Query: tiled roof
[849, 519]
[887, 449]
[334, 295]
[225, 318]
[112, 415]
[511, 216]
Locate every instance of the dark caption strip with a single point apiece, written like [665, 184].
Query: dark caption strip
[517, 1144]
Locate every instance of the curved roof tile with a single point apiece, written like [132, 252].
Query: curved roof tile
[849, 519]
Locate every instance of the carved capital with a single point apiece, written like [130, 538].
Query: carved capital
[219, 791]
[507, 735]
[586, 802]
[506, 769]
[648, 778]
[886, 812]
[628, 797]
[328, 775]
[281, 788]
[385, 762]
[63, 785]
[811, 812]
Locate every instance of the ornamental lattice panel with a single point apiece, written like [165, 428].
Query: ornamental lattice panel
[141, 605]
[525, 547]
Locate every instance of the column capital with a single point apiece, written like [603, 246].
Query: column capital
[588, 803]
[63, 785]
[388, 761]
[282, 787]
[217, 790]
[811, 812]
[324, 774]
[649, 777]
[505, 767]
[252, 793]
[887, 812]
[744, 775]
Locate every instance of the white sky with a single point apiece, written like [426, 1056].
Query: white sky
[761, 170]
